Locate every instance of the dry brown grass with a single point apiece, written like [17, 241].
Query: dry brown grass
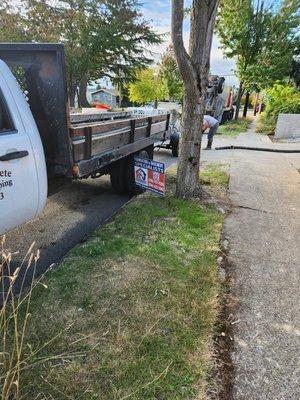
[17, 357]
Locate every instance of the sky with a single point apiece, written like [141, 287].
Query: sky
[159, 13]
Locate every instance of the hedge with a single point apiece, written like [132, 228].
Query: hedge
[281, 99]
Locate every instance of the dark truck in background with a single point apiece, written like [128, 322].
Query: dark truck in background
[40, 136]
[219, 99]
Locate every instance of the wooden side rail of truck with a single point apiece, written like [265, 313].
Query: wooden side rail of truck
[96, 145]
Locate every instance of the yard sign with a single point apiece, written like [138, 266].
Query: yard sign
[150, 175]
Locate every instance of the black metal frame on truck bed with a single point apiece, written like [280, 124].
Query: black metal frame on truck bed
[74, 150]
[41, 72]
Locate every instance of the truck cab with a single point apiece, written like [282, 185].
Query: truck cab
[218, 101]
[23, 177]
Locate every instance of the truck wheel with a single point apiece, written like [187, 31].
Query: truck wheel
[130, 185]
[117, 177]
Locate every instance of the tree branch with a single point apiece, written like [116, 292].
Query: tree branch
[182, 57]
[210, 31]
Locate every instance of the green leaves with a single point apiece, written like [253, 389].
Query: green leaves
[171, 74]
[280, 99]
[12, 26]
[158, 84]
[149, 86]
[261, 38]
[101, 37]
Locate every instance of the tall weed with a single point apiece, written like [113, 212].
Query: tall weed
[16, 353]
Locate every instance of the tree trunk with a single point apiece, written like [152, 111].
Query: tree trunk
[246, 105]
[82, 100]
[191, 135]
[194, 69]
[238, 101]
[72, 94]
[256, 103]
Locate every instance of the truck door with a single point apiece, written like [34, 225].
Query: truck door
[23, 181]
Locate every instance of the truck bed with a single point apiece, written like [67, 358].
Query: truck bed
[95, 145]
[75, 145]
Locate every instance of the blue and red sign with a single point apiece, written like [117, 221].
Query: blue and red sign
[150, 175]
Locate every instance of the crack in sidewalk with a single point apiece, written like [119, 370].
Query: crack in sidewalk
[254, 209]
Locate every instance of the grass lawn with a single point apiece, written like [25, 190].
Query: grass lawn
[234, 128]
[215, 174]
[131, 313]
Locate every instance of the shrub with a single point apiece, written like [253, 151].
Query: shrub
[280, 99]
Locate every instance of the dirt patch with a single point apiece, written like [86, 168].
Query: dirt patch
[223, 373]
[224, 340]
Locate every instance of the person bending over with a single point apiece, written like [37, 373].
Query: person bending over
[212, 124]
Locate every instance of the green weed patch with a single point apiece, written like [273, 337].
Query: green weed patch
[234, 128]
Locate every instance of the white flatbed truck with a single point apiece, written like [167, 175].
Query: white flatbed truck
[41, 149]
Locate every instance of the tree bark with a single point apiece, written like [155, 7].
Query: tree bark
[194, 69]
[246, 105]
[82, 100]
[238, 101]
[188, 182]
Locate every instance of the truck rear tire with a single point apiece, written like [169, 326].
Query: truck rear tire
[130, 185]
[117, 177]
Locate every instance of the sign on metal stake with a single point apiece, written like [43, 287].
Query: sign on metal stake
[150, 175]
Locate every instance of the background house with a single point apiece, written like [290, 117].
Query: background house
[110, 97]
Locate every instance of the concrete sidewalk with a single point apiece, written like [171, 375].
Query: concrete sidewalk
[264, 250]
[264, 254]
